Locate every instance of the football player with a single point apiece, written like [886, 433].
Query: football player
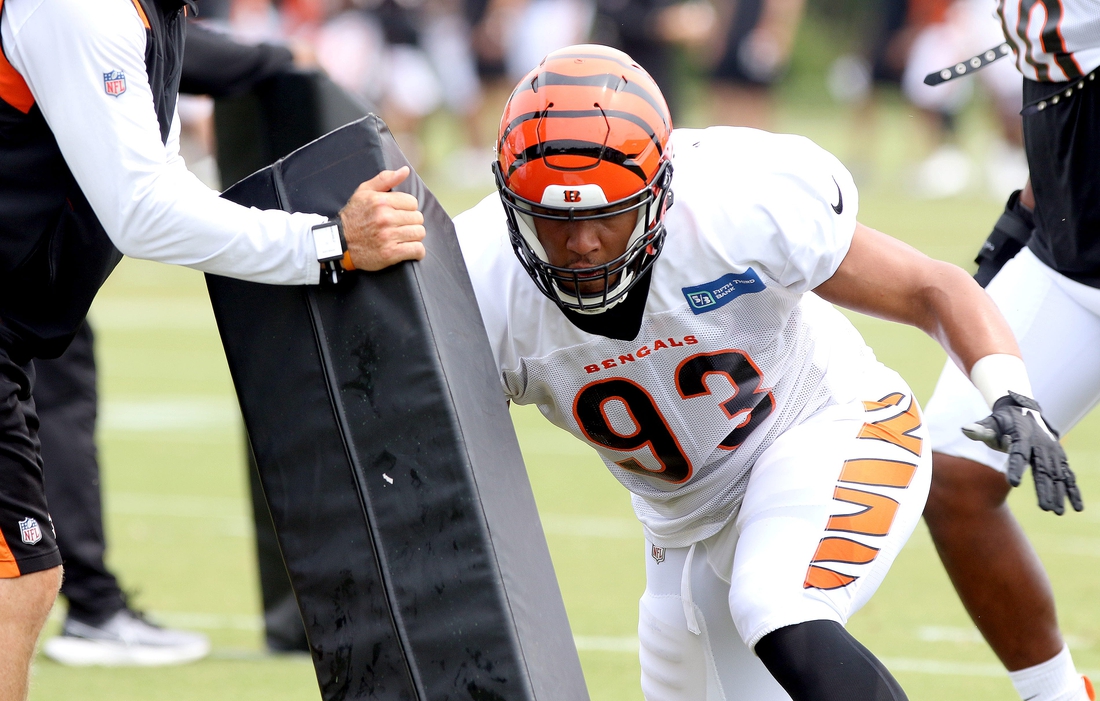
[1049, 289]
[776, 466]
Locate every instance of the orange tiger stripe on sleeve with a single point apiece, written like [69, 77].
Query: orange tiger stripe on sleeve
[878, 473]
[896, 429]
[875, 519]
[878, 512]
[892, 399]
[832, 549]
[822, 578]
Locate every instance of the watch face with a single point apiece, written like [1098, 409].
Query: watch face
[326, 239]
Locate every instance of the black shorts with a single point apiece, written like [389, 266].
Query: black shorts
[26, 532]
[1063, 152]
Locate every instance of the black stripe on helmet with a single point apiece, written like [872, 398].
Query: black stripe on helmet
[577, 114]
[611, 81]
[575, 147]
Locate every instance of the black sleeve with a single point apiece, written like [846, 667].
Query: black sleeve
[820, 661]
[214, 64]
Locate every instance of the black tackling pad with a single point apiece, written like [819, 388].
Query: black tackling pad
[279, 114]
[389, 461]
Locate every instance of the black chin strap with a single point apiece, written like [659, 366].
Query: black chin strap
[621, 322]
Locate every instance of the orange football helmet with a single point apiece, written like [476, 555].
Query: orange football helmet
[585, 135]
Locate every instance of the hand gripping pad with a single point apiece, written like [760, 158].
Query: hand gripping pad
[389, 461]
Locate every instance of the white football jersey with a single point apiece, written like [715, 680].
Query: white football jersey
[733, 347]
[1054, 40]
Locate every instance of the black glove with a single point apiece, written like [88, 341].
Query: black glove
[1016, 427]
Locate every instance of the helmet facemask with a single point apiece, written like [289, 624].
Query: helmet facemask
[563, 285]
[585, 135]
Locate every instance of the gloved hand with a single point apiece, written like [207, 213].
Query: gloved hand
[1016, 427]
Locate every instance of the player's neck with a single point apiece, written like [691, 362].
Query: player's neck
[623, 321]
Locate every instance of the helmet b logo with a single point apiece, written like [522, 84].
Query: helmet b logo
[572, 195]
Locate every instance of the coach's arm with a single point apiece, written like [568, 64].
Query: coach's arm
[133, 177]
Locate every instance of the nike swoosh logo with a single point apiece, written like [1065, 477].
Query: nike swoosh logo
[1042, 424]
[839, 206]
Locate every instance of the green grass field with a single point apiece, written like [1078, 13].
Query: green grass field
[179, 524]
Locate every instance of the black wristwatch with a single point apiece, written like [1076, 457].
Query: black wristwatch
[329, 241]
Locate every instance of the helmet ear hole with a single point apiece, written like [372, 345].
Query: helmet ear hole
[587, 120]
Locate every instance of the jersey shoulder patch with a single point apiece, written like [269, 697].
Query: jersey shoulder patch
[718, 293]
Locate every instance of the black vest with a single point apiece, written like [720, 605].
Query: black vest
[54, 253]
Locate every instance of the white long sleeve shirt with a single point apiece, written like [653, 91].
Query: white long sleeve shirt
[150, 205]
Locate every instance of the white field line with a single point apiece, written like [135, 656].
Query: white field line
[181, 505]
[166, 313]
[191, 620]
[232, 517]
[970, 636]
[585, 643]
[956, 669]
[629, 529]
[895, 664]
[944, 667]
[591, 526]
[174, 413]
[194, 506]
[565, 525]
[208, 621]
[238, 655]
[605, 643]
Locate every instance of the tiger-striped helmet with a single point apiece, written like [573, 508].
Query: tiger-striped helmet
[585, 135]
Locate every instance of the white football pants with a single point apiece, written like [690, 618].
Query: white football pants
[828, 507]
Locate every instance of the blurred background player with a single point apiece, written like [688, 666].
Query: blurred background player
[942, 33]
[740, 48]
[756, 38]
[655, 32]
[904, 40]
[773, 515]
[507, 36]
[1049, 293]
[101, 627]
[409, 58]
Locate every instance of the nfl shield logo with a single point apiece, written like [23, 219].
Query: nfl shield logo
[114, 83]
[29, 531]
[658, 554]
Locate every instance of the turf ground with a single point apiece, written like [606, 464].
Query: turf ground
[179, 523]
